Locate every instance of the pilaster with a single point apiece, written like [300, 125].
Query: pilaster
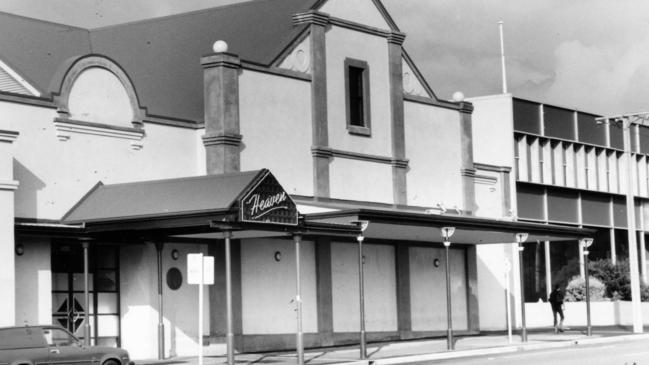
[317, 25]
[399, 187]
[7, 239]
[468, 171]
[221, 92]
[324, 292]
[404, 311]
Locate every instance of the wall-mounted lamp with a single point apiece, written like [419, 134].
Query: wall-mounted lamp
[175, 254]
[436, 262]
[20, 249]
[520, 238]
[277, 256]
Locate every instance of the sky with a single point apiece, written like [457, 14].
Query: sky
[590, 55]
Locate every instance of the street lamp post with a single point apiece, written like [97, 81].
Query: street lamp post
[585, 243]
[447, 232]
[520, 238]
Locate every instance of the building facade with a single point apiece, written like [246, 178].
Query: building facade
[571, 168]
[318, 100]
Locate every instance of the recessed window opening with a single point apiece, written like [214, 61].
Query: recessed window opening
[357, 97]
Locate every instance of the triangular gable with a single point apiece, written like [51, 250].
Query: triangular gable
[11, 81]
[268, 202]
[417, 77]
[298, 56]
[367, 12]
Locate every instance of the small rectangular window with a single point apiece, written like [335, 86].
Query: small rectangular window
[357, 97]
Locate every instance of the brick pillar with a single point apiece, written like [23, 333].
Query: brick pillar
[7, 240]
[221, 93]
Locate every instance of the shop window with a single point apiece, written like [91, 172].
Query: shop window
[357, 96]
[564, 261]
[534, 271]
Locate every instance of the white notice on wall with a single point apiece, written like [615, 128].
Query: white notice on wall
[194, 268]
[208, 270]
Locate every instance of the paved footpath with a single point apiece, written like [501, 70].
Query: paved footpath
[403, 352]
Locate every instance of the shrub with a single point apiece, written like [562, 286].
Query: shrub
[616, 279]
[576, 289]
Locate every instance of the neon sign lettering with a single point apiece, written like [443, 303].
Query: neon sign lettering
[260, 207]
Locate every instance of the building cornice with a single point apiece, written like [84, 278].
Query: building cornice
[331, 152]
[8, 185]
[224, 59]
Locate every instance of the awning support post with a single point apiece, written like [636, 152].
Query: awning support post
[86, 294]
[447, 232]
[520, 238]
[298, 300]
[361, 296]
[161, 329]
[228, 296]
[585, 244]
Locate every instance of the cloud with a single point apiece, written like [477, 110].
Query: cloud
[601, 80]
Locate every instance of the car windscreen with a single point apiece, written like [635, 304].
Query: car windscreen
[21, 338]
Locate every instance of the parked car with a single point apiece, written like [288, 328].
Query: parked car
[39, 345]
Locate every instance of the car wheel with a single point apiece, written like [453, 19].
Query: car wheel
[110, 362]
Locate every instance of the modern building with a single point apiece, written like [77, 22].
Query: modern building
[572, 168]
[128, 147]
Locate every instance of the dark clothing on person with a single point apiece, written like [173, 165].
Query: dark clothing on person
[556, 301]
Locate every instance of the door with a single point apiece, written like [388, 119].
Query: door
[68, 300]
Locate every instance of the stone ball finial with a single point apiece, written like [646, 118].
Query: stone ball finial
[220, 46]
[458, 96]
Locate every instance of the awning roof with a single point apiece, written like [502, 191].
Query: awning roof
[159, 198]
[414, 226]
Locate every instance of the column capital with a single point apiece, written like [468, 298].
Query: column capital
[396, 38]
[224, 59]
[311, 17]
[466, 107]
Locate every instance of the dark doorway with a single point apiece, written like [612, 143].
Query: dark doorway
[68, 302]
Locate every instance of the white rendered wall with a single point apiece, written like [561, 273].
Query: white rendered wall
[268, 287]
[55, 174]
[492, 285]
[428, 289]
[34, 282]
[434, 148]
[380, 287]
[493, 125]
[359, 11]
[139, 302]
[275, 122]
[344, 43]
[360, 180]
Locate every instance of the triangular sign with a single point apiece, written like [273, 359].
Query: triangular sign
[268, 202]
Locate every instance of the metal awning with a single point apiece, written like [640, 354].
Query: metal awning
[415, 226]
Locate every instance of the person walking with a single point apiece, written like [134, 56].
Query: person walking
[556, 301]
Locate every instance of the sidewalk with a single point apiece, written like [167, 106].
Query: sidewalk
[424, 350]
